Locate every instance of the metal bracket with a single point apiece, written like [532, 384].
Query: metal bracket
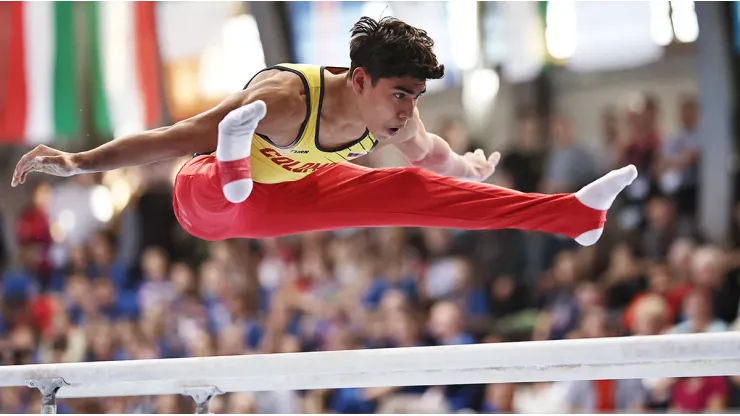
[202, 397]
[49, 388]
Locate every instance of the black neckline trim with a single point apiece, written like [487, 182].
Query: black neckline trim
[318, 122]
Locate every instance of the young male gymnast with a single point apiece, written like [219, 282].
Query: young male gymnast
[283, 147]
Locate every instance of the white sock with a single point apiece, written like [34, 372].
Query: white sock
[236, 129]
[235, 133]
[600, 195]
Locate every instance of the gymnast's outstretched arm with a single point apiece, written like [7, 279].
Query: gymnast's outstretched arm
[195, 135]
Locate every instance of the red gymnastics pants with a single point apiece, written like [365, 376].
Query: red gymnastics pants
[352, 196]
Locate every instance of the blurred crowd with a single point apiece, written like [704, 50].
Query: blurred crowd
[137, 287]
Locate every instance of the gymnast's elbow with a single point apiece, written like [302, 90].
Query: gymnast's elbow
[437, 158]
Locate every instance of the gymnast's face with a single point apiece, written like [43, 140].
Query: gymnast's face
[386, 106]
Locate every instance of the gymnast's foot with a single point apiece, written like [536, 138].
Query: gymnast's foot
[600, 195]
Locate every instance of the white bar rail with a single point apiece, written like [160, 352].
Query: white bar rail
[694, 355]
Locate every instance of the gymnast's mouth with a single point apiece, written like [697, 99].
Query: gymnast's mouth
[393, 131]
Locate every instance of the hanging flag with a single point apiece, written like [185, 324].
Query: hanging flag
[4, 47]
[149, 62]
[125, 67]
[39, 85]
[14, 102]
[101, 120]
[40, 91]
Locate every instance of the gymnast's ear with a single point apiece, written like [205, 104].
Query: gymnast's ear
[360, 79]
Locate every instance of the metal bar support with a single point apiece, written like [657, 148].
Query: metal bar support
[49, 388]
[202, 397]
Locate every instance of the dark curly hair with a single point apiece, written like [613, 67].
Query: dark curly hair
[391, 48]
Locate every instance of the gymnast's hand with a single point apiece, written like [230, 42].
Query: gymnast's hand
[481, 168]
[44, 159]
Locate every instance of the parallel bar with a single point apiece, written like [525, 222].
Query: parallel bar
[414, 378]
[584, 359]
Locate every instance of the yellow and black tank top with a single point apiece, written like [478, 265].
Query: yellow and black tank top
[275, 164]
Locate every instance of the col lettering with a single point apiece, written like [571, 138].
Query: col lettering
[290, 164]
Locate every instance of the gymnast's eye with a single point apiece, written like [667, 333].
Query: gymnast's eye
[399, 95]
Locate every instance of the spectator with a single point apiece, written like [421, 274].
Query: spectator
[570, 166]
[391, 277]
[507, 297]
[699, 395]
[103, 262]
[643, 144]
[623, 278]
[499, 398]
[33, 230]
[663, 227]
[447, 328]
[657, 306]
[679, 159]
[560, 312]
[611, 137]
[522, 164]
[651, 316]
[698, 313]
[156, 288]
[709, 270]
[642, 149]
[606, 396]
[446, 325]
